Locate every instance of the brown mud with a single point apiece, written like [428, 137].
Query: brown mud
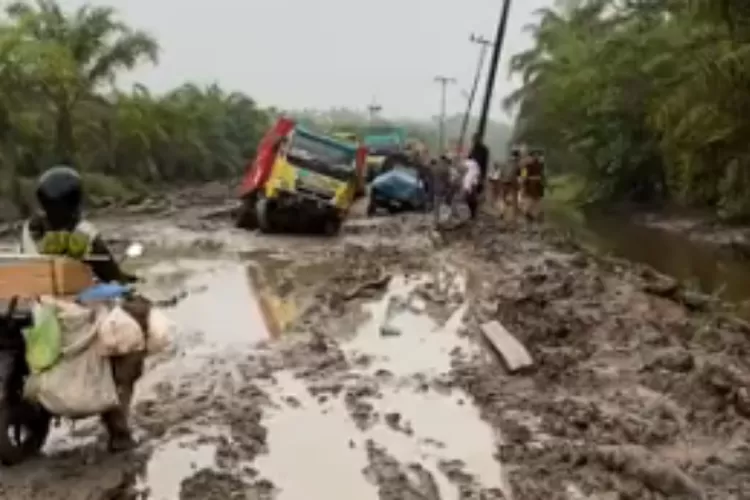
[352, 367]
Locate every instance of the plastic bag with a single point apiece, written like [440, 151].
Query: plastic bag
[43, 339]
[119, 333]
[161, 332]
[79, 385]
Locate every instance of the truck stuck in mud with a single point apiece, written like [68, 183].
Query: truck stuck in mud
[300, 180]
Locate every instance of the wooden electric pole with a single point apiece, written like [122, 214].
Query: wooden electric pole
[484, 45]
[496, 49]
[443, 81]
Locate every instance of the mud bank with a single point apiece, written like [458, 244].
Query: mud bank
[728, 238]
[635, 393]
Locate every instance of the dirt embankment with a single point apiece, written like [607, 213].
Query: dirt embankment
[634, 395]
[732, 239]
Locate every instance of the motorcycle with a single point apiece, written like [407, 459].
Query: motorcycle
[25, 425]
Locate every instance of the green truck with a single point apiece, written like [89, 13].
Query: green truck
[382, 141]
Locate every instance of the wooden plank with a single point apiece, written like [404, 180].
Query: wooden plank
[508, 347]
[26, 278]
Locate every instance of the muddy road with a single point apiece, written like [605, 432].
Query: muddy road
[310, 368]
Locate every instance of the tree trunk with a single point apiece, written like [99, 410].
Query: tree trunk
[64, 141]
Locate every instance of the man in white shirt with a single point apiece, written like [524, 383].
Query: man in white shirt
[470, 184]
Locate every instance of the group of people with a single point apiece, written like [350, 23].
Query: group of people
[519, 184]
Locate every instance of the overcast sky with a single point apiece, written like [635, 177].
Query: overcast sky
[326, 53]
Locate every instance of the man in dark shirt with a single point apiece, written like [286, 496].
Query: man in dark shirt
[480, 154]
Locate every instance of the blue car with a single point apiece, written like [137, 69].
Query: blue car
[399, 187]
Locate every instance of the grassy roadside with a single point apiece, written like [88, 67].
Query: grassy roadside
[567, 189]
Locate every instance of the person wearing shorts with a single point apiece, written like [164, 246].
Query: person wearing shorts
[494, 179]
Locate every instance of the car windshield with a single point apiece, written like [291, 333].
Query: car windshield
[310, 148]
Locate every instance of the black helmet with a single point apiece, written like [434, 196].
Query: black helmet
[60, 193]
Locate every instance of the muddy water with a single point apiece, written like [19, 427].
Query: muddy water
[669, 252]
[390, 399]
[318, 448]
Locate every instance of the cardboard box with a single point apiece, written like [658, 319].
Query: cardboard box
[26, 277]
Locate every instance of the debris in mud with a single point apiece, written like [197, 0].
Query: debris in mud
[394, 481]
[362, 411]
[208, 484]
[513, 353]
[653, 471]
[367, 288]
[389, 331]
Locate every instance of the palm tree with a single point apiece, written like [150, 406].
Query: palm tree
[92, 46]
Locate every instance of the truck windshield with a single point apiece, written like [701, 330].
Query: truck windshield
[310, 148]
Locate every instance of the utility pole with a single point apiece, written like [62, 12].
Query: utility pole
[443, 81]
[484, 44]
[373, 109]
[496, 49]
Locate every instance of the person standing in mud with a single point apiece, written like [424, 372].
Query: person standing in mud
[494, 182]
[472, 180]
[531, 184]
[509, 178]
[481, 155]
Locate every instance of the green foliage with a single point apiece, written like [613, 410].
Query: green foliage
[645, 100]
[58, 104]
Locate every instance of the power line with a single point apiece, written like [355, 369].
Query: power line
[443, 81]
[484, 44]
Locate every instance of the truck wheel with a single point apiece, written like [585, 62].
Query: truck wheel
[23, 431]
[246, 217]
[263, 212]
[372, 208]
[332, 226]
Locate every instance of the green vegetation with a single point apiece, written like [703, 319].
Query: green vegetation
[646, 101]
[58, 105]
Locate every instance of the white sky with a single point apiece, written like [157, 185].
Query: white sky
[326, 53]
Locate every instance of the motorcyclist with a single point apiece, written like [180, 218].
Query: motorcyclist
[60, 229]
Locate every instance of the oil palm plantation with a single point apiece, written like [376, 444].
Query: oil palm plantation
[58, 103]
[644, 100]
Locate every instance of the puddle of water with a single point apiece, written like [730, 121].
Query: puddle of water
[220, 304]
[315, 450]
[669, 252]
[171, 463]
[417, 344]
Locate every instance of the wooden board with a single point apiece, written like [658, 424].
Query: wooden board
[26, 278]
[509, 348]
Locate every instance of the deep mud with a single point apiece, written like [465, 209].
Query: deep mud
[313, 368]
